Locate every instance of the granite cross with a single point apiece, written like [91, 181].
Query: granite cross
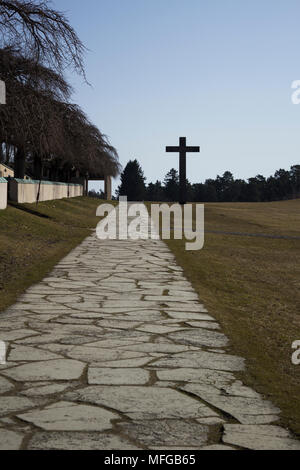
[182, 150]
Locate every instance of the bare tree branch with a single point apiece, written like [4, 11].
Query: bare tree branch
[40, 33]
[39, 121]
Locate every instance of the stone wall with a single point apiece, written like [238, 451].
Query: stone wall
[25, 191]
[3, 193]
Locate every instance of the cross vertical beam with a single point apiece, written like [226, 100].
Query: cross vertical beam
[182, 170]
[2, 92]
[182, 150]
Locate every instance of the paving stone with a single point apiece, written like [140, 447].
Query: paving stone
[144, 315]
[71, 321]
[183, 316]
[42, 339]
[217, 447]
[7, 421]
[16, 334]
[105, 376]
[21, 353]
[12, 314]
[65, 416]
[10, 440]
[258, 419]
[219, 379]
[45, 390]
[79, 441]
[210, 325]
[166, 384]
[213, 382]
[125, 334]
[187, 307]
[77, 340]
[211, 421]
[5, 385]
[13, 404]
[202, 359]
[156, 348]
[169, 298]
[65, 298]
[59, 369]
[159, 329]
[259, 437]
[8, 365]
[42, 317]
[127, 363]
[124, 295]
[128, 304]
[68, 330]
[61, 349]
[12, 324]
[93, 354]
[120, 324]
[143, 402]
[236, 406]
[87, 315]
[171, 432]
[200, 337]
[119, 342]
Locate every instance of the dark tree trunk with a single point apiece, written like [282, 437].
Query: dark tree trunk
[20, 164]
[37, 168]
[7, 154]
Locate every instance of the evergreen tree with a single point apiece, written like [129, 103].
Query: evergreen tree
[295, 179]
[155, 192]
[132, 182]
[171, 185]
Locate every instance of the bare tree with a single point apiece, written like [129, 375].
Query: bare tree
[39, 124]
[84, 146]
[32, 90]
[40, 33]
[43, 127]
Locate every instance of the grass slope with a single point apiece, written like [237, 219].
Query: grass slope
[34, 238]
[251, 285]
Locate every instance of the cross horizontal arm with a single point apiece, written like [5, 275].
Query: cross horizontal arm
[193, 149]
[173, 149]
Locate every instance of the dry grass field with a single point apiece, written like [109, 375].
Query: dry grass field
[251, 284]
[33, 238]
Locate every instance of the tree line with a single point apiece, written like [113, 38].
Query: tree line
[282, 185]
[41, 130]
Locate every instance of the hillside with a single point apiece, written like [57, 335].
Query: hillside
[251, 285]
[34, 238]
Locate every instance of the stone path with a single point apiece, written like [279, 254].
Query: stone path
[114, 351]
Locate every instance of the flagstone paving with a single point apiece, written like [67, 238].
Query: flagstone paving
[114, 351]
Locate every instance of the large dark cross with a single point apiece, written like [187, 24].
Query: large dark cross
[182, 150]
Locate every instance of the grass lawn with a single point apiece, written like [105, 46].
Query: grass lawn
[252, 286]
[33, 238]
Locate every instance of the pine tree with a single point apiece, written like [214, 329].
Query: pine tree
[171, 185]
[132, 182]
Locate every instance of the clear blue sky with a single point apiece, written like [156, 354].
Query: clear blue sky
[217, 71]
